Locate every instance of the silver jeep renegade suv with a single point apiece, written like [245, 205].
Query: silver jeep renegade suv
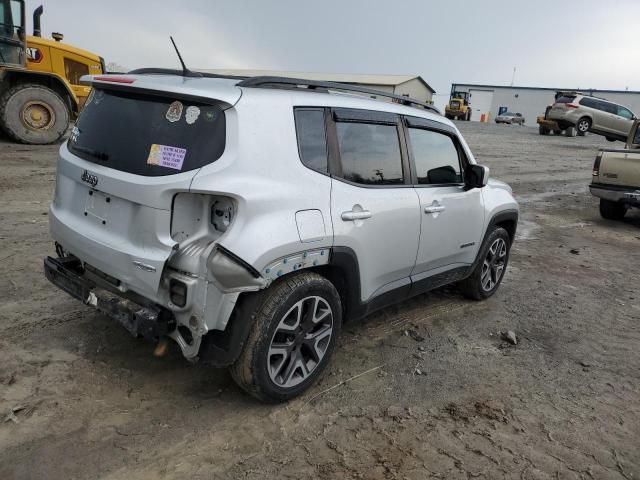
[247, 219]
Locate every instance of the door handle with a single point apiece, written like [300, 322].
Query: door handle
[434, 209]
[355, 215]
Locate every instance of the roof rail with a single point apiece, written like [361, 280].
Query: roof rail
[171, 71]
[286, 82]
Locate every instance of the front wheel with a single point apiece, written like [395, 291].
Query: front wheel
[491, 264]
[34, 114]
[296, 323]
[612, 210]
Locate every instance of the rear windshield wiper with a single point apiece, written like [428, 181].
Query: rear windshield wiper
[94, 153]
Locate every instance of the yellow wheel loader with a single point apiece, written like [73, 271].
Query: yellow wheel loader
[458, 107]
[40, 91]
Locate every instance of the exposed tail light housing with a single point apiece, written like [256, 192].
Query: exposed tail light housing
[571, 105]
[178, 292]
[596, 165]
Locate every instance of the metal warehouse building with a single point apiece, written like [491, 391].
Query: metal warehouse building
[412, 86]
[487, 100]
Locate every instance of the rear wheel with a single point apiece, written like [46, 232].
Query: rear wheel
[490, 267]
[583, 126]
[296, 323]
[468, 116]
[543, 130]
[612, 210]
[33, 114]
[571, 132]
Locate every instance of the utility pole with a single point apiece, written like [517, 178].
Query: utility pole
[513, 77]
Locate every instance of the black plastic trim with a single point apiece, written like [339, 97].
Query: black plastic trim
[617, 188]
[357, 115]
[345, 259]
[287, 82]
[439, 280]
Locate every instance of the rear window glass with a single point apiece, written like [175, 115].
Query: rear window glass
[148, 134]
[565, 99]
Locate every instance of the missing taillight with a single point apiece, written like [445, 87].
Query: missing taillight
[178, 292]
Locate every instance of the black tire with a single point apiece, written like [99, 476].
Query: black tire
[269, 309]
[543, 130]
[468, 116]
[612, 210]
[472, 287]
[571, 132]
[583, 126]
[49, 118]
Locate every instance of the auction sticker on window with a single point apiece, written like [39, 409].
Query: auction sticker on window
[166, 156]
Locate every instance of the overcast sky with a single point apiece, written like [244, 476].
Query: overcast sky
[572, 44]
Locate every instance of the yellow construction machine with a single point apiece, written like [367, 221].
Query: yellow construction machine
[40, 91]
[458, 107]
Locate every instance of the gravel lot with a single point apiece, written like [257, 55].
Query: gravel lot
[92, 402]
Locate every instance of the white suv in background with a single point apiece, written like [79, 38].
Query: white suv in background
[247, 219]
[592, 114]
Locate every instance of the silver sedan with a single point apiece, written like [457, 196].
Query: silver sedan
[510, 118]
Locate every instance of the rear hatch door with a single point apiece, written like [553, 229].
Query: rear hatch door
[561, 106]
[132, 149]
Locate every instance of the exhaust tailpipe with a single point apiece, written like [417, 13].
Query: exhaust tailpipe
[37, 29]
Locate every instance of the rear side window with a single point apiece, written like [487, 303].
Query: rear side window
[565, 99]
[370, 153]
[435, 156]
[625, 113]
[148, 134]
[312, 139]
[589, 102]
[608, 107]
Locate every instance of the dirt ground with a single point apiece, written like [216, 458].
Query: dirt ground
[92, 402]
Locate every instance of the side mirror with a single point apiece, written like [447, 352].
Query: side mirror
[476, 176]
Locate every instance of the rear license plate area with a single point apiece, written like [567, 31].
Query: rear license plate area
[97, 206]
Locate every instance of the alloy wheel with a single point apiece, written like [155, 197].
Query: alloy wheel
[493, 266]
[300, 341]
[583, 126]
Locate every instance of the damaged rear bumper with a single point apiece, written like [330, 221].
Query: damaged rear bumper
[148, 321]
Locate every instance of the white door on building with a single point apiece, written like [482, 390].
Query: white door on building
[481, 101]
